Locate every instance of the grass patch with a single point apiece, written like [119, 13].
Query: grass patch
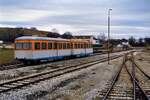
[6, 56]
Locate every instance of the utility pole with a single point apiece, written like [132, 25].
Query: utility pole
[109, 35]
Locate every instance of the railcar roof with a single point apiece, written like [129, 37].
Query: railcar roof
[40, 38]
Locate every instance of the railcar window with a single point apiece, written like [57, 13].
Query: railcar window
[18, 45]
[76, 46]
[64, 46]
[50, 45]
[71, 45]
[68, 45]
[89, 45]
[81, 45]
[60, 45]
[55, 45]
[86, 45]
[44, 45]
[26, 45]
[37, 45]
[23, 45]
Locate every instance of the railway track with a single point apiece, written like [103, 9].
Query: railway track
[143, 81]
[34, 78]
[129, 83]
[116, 90]
[19, 64]
[11, 66]
[14, 65]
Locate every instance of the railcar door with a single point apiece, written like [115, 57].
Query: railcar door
[56, 48]
[71, 48]
[84, 46]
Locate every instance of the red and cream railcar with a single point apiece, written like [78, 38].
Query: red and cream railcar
[28, 48]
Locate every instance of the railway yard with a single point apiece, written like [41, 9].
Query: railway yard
[127, 77]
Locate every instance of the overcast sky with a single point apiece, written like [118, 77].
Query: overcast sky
[81, 17]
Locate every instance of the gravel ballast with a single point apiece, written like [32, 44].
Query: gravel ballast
[79, 85]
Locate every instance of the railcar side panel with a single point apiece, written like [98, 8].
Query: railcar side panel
[64, 52]
[89, 51]
[78, 52]
[44, 54]
[23, 54]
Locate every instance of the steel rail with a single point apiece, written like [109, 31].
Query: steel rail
[134, 80]
[114, 81]
[140, 69]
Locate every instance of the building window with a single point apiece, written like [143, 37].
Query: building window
[37, 45]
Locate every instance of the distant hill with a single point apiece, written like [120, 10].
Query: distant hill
[9, 34]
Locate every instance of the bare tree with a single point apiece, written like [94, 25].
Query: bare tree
[54, 30]
[33, 28]
[101, 37]
[54, 33]
[132, 41]
[67, 35]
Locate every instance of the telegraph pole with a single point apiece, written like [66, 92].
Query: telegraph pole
[109, 35]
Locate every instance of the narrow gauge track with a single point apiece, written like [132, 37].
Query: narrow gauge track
[19, 64]
[137, 92]
[11, 66]
[34, 78]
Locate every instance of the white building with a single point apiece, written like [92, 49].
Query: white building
[90, 38]
[1, 42]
